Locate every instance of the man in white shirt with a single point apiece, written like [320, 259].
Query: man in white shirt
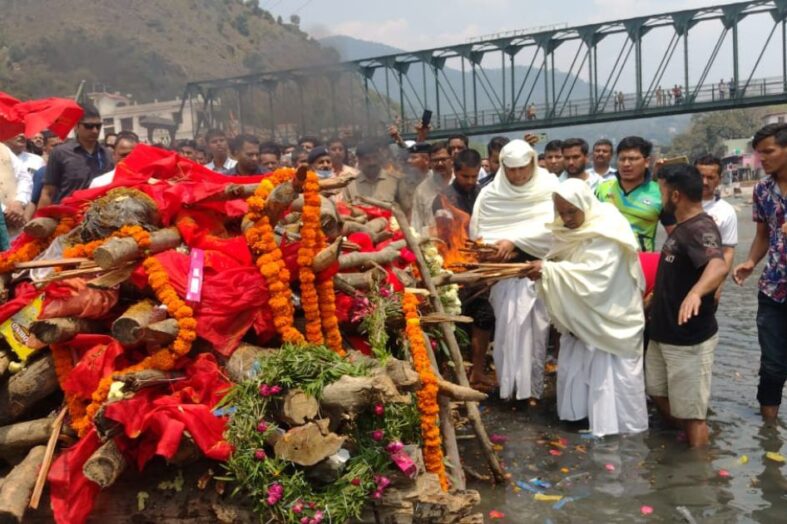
[602, 157]
[722, 213]
[219, 150]
[16, 187]
[575, 158]
[124, 145]
[31, 162]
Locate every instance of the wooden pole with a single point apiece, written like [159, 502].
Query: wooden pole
[448, 334]
[26, 388]
[56, 330]
[41, 227]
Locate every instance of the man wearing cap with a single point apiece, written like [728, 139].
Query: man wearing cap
[320, 162]
[416, 172]
[373, 181]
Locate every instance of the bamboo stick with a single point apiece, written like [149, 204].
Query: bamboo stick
[448, 334]
[49, 454]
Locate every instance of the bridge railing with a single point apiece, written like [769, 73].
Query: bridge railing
[655, 102]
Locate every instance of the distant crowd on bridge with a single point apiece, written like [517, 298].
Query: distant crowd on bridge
[584, 233]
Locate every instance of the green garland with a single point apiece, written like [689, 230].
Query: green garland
[309, 368]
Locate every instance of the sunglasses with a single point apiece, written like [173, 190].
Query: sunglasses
[90, 126]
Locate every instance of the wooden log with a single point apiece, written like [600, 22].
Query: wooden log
[280, 199]
[5, 279]
[105, 465]
[41, 227]
[307, 445]
[119, 250]
[402, 374]
[5, 359]
[147, 378]
[460, 393]
[449, 336]
[368, 260]
[26, 388]
[348, 396]
[436, 318]
[359, 281]
[18, 486]
[298, 407]
[130, 326]
[112, 278]
[325, 258]
[56, 330]
[25, 434]
[241, 363]
[161, 333]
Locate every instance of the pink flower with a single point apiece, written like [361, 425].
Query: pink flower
[262, 427]
[265, 390]
[356, 481]
[394, 447]
[377, 495]
[382, 481]
[297, 507]
[379, 409]
[260, 454]
[304, 520]
[275, 390]
[378, 435]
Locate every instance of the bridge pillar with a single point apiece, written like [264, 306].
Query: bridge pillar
[636, 29]
[732, 14]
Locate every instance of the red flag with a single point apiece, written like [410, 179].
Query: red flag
[59, 115]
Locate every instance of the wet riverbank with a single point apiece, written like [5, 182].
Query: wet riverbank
[614, 479]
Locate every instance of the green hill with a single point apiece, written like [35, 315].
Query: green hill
[147, 48]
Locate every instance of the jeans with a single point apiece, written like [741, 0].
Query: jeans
[772, 334]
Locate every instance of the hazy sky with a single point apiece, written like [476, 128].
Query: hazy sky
[419, 24]
[414, 24]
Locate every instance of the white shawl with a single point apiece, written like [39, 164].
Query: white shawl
[516, 213]
[592, 282]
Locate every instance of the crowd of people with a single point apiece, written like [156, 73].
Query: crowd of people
[632, 324]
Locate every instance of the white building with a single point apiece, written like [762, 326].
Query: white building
[777, 117]
[153, 121]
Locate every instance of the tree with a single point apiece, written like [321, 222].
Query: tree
[295, 20]
[708, 131]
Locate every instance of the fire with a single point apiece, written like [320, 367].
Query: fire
[452, 226]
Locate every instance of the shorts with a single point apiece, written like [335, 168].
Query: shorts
[682, 374]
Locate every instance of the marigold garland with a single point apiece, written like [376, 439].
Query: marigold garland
[330, 322]
[427, 395]
[270, 261]
[30, 250]
[310, 231]
[165, 358]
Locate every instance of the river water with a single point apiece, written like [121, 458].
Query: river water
[615, 478]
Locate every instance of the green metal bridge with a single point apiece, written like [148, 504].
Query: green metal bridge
[509, 82]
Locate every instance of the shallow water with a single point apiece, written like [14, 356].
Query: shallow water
[611, 479]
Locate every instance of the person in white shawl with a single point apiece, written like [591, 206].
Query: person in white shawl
[511, 213]
[591, 283]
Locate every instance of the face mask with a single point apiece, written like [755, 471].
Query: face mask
[324, 173]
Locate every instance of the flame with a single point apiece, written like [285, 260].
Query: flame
[452, 226]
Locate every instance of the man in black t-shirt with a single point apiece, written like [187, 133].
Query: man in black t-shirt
[683, 329]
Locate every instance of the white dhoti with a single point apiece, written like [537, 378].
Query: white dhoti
[521, 330]
[607, 389]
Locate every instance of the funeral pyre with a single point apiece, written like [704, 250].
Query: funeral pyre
[253, 319]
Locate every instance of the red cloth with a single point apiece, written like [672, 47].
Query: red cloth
[650, 265]
[156, 422]
[153, 424]
[59, 115]
[71, 494]
[172, 181]
[234, 298]
[24, 293]
[97, 356]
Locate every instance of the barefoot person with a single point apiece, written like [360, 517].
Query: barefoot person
[592, 284]
[512, 213]
[683, 329]
[770, 242]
